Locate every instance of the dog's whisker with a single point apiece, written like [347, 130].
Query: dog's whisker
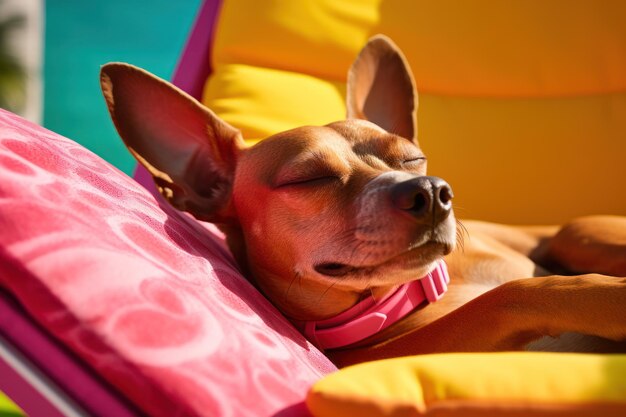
[460, 242]
[356, 248]
[326, 292]
[295, 276]
[349, 234]
[459, 209]
[461, 233]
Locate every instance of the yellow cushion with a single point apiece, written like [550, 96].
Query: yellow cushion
[251, 104]
[522, 105]
[502, 384]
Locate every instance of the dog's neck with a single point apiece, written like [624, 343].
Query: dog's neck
[372, 315]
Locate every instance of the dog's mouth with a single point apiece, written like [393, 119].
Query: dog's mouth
[408, 259]
[332, 269]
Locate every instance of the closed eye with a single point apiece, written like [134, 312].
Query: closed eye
[308, 182]
[413, 163]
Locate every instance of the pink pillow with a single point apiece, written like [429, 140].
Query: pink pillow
[147, 296]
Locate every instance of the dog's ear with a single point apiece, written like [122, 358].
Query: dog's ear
[188, 150]
[381, 88]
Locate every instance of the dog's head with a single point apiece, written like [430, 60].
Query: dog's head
[317, 216]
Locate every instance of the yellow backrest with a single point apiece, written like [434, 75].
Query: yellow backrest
[522, 105]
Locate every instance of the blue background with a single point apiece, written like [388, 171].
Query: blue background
[80, 36]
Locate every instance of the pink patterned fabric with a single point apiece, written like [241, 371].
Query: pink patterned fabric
[145, 295]
[95, 397]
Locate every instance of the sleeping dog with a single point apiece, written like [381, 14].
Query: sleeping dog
[343, 230]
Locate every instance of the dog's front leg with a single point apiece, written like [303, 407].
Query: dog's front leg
[511, 316]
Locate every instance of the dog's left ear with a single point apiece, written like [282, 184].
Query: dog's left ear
[189, 151]
[381, 88]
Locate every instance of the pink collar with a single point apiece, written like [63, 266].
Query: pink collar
[370, 316]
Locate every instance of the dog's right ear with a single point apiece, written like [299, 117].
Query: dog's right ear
[189, 151]
[381, 88]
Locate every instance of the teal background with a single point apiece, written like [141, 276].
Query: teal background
[82, 35]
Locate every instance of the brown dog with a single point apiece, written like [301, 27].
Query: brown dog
[323, 218]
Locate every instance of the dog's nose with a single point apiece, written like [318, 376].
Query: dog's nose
[427, 198]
